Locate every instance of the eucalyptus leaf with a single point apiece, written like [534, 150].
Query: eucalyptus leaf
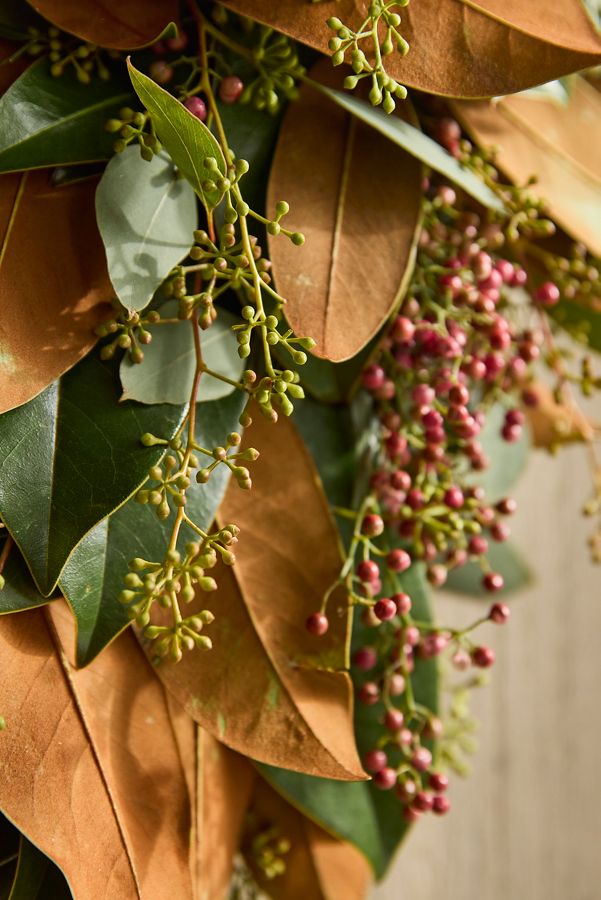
[167, 371]
[46, 121]
[70, 457]
[187, 140]
[503, 558]
[506, 460]
[146, 216]
[93, 577]
[19, 592]
[417, 144]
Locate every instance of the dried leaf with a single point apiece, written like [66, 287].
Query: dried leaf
[458, 48]
[90, 770]
[65, 280]
[268, 688]
[318, 866]
[123, 26]
[225, 780]
[555, 423]
[359, 208]
[560, 145]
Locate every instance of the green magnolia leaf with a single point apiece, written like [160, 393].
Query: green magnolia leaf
[507, 461]
[70, 457]
[503, 558]
[187, 140]
[19, 592]
[36, 876]
[46, 121]
[417, 144]
[328, 433]
[146, 216]
[167, 372]
[93, 577]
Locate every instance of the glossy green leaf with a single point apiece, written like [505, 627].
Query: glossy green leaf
[506, 460]
[70, 457]
[146, 216]
[37, 877]
[167, 372]
[503, 558]
[19, 592]
[93, 576]
[187, 140]
[417, 144]
[46, 121]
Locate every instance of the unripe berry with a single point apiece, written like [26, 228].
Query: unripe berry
[483, 657]
[398, 560]
[385, 779]
[499, 613]
[385, 609]
[197, 107]
[317, 624]
[230, 89]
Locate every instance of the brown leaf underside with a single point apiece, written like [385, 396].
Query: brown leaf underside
[459, 48]
[561, 145]
[356, 196]
[554, 423]
[90, 768]
[269, 689]
[53, 282]
[123, 25]
[318, 866]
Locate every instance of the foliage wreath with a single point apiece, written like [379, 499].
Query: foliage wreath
[252, 298]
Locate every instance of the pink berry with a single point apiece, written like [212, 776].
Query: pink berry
[547, 294]
[461, 660]
[507, 506]
[423, 801]
[410, 814]
[483, 657]
[439, 782]
[365, 658]
[369, 693]
[317, 624]
[197, 107]
[403, 329]
[401, 481]
[421, 759]
[394, 720]
[160, 71]
[398, 560]
[373, 377]
[396, 685]
[493, 581]
[499, 613]
[385, 779]
[437, 575]
[477, 545]
[441, 805]
[454, 497]
[385, 609]
[375, 760]
[406, 790]
[372, 525]
[178, 43]
[403, 603]
[230, 89]
[368, 570]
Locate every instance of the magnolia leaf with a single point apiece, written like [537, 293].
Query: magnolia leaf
[359, 209]
[84, 761]
[146, 216]
[130, 24]
[417, 144]
[553, 423]
[362, 814]
[46, 121]
[93, 576]
[546, 140]
[317, 865]
[85, 450]
[56, 230]
[167, 372]
[187, 140]
[452, 42]
[506, 460]
[288, 701]
[503, 558]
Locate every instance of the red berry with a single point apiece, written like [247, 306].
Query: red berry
[438, 782]
[375, 760]
[483, 657]
[423, 801]
[401, 481]
[230, 89]
[394, 720]
[403, 603]
[385, 609]
[415, 498]
[373, 377]
[441, 805]
[547, 294]
[385, 779]
[454, 497]
[403, 329]
[369, 693]
[317, 624]
[372, 525]
[365, 658]
[398, 560]
[421, 759]
[368, 570]
[499, 613]
[197, 107]
[477, 545]
[493, 581]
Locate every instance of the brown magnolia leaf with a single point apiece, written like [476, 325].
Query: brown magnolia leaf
[53, 281]
[560, 145]
[226, 781]
[554, 423]
[123, 26]
[356, 196]
[90, 770]
[268, 688]
[318, 866]
[458, 48]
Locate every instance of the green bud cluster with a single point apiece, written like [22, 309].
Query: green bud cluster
[172, 479]
[268, 847]
[231, 457]
[276, 59]
[64, 51]
[346, 44]
[130, 330]
[131, 125]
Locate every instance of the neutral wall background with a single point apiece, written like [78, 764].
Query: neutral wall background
[526, 824]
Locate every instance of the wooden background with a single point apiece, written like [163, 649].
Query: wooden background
[526, 824]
